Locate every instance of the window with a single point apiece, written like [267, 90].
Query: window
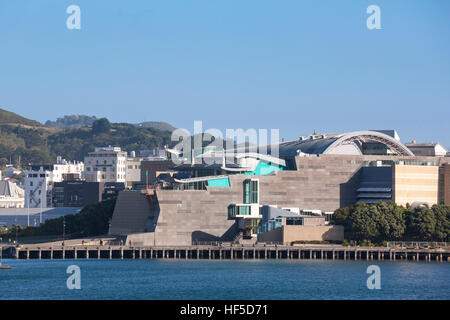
[231, 211]
[244, 210]
[251, 191]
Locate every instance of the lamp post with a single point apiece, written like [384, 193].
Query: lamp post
[28, 211]
[64, 229]
[16, 227]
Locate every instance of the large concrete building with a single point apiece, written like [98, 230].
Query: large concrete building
[316, 174]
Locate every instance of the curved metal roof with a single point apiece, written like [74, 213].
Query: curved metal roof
[325, 144]
[309, 145]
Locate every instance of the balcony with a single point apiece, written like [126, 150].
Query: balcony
[244, 211]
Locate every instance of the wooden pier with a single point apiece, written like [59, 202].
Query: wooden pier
[261, 252]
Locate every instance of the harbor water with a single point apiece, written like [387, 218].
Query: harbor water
[250, 279]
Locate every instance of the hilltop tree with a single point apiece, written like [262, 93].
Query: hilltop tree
[101, 126]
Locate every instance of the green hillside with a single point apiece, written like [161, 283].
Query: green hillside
[27, 142]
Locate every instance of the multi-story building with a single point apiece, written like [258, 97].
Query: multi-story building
[39, 180]
[133, 171]
[76, 193]
[106, 164]
[315, 174]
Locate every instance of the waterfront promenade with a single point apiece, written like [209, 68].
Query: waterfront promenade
[225, 252]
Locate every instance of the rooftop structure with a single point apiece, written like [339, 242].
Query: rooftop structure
[427, 149]
[11, 195]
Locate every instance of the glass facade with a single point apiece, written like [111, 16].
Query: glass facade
[234, 210]
[251, 191]
[244, 210]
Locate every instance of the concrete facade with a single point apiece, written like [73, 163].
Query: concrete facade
[415, 184]
[290, 234]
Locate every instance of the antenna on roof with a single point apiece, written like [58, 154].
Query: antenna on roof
[314, 133]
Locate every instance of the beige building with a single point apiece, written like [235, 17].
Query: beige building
[415, 184]
[133, 171]
[106, 164]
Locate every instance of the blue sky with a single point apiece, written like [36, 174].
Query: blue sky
[289, 65]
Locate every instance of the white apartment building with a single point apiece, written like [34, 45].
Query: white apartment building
[40, 178]
[106, 164]
[133, 171]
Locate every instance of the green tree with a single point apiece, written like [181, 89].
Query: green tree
[391, 221]
[92, 220]
[442, 216]
[421, 224]
[101, 126]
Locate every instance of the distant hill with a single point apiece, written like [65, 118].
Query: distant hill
[77, 121]
[164, 126]
[8, 117]
[73, 121]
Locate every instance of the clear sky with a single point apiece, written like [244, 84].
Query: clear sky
[285, 64]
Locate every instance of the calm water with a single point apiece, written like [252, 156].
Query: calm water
[150, 279]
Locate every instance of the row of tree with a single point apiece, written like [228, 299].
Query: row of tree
[387, 221]
[92, 220]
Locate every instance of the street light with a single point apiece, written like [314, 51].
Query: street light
[64, 228]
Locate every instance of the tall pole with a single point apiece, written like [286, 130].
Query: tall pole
[16, 227]
[64, 228]
[28, 210]
[40, 222]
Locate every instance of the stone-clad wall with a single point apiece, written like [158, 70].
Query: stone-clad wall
[131, 213]
[325, 183]
[195, 215]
